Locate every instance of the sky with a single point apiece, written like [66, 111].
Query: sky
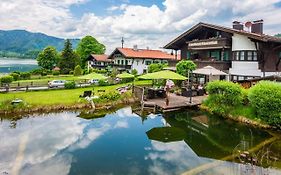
[146, 23]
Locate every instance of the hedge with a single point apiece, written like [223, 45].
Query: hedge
[265, 98]
[223, 96]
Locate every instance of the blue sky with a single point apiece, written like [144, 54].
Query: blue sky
[144, 23]
[99, 7]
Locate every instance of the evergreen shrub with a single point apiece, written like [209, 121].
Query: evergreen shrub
[265, 98]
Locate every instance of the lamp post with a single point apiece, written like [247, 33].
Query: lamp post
[190, 84]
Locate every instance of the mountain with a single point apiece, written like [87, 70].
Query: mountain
[24, 44]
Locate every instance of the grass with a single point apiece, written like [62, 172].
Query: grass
[59, 97]
[43, 81]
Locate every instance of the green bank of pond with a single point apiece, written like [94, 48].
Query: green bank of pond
[123, 142]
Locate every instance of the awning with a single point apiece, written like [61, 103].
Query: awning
[125, 75]
[165, 74]
[93, 76]
[209, 70]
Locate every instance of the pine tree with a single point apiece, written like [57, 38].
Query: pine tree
[69, 59]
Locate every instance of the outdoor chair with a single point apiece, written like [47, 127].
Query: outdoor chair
[86, 94]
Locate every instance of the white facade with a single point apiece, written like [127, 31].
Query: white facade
[244, 68]
[141, 65]
[240, 42]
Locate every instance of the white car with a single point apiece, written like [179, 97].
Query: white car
[56, 83]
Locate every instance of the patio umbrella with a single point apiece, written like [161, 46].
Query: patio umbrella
[166, 134]
[165, 74]
[93, 76]
[209, 70]
[125, 75]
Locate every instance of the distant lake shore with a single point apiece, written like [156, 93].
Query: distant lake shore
[8, 65]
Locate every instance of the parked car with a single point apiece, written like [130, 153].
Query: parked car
[56, 83]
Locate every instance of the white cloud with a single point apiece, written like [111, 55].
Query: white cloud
[145, 26]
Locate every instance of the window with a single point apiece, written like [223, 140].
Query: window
[250, 55]
[242, 55]
[122, 62]
[126, 62]
[147, 62]
[236, 56]
[255, 56]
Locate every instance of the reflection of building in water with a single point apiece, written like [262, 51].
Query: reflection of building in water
[213, 139]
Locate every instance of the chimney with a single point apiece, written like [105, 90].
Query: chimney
[257, 27]
[135, 48]
[237, 25]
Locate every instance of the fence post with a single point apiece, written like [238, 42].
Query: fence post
[26, 87]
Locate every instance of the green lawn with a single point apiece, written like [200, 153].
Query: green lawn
[55, 97]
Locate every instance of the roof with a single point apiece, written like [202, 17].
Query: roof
[144, 53]
[259, 37]
[102, 58]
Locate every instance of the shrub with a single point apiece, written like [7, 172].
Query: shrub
[223, 96]
[184, 66]
[110, 96]
[56, 72]
[265, 98]
[155, 67]
[6, 79]
[25, 75]
[15, 76]
[103, 83]
[78, 71]
[134, 72]
[70, 85]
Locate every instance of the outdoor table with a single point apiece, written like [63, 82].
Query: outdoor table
[156, 93]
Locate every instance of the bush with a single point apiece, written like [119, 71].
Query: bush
[70, 85]
[111, 96]
[15, 76]
[134, 72]
[155, 67]
[103, 83]
[56, 72]
[265, 98]
[78, 71]
[223, 96]
[6, 79]
[25, 75]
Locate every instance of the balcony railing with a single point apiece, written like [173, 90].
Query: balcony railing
[209, 43]
[220, 65]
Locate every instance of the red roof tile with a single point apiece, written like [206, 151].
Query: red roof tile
[146, 53]
[102, 58]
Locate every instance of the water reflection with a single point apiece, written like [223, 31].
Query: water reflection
[123, 143]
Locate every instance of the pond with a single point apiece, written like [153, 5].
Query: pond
[122, 142]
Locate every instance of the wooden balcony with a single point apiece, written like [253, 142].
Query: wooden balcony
[220, 65]
[212, 43]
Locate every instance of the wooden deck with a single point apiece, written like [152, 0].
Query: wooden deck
[175, 103]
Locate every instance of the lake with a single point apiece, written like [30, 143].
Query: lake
[8, 65]
[122, 142]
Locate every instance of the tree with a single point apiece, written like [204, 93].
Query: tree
[6, 79]
[69, 59]
[184, 66]
[89, 45]
[155, 67]
[134, 72]
[77, 70]
[278, 35]
[48, 58]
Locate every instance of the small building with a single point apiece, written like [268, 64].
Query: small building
[127, 59]
[241, 53]
[98, 61]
